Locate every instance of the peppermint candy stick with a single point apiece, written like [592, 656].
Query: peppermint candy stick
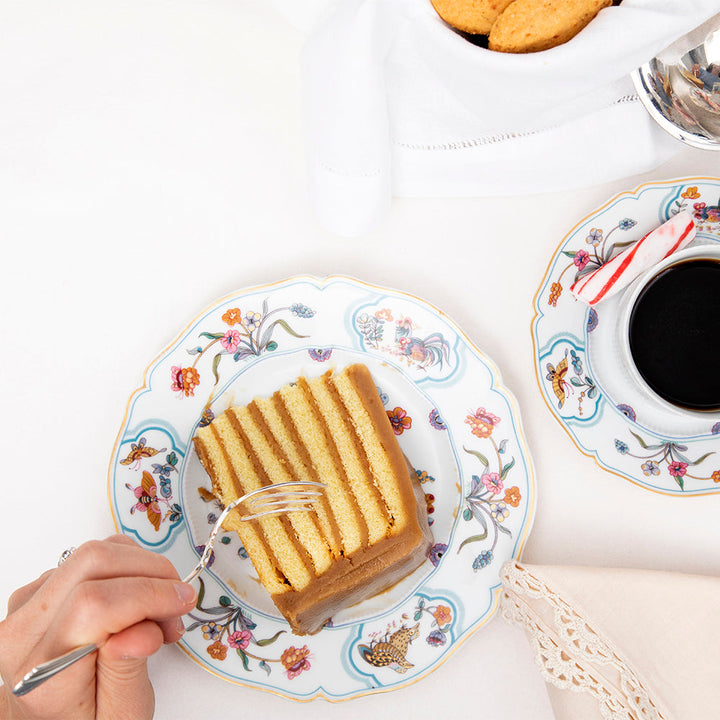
[619, 272]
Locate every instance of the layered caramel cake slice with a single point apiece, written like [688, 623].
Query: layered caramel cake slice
[367, 531]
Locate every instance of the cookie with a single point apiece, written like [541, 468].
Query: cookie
[534, 25]
[471, 16]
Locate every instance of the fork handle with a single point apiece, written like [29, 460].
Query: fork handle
[41, 673]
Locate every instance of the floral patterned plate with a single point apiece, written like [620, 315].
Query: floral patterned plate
[577, 358]
[454, 420]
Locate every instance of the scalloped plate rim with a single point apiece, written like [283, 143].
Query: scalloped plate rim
[496, 385]
[538, 314]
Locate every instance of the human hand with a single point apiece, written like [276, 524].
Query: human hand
[126, 600]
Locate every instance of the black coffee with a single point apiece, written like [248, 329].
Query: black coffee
[675, 334]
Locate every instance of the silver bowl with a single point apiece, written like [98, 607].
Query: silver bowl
[680, 88]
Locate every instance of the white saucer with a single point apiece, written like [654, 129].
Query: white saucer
[579, 364]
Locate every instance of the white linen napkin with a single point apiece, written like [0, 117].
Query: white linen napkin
[620, 644]
[400, 104]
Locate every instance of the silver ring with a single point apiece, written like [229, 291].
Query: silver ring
[66, 554]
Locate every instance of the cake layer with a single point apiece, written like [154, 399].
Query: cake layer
[368, 530]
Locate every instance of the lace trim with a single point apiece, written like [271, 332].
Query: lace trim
[571, 654]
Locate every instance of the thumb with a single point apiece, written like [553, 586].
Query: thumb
[123, 690]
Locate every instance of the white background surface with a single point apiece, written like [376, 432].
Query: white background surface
[152, 160]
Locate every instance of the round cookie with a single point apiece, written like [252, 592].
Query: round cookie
[534, 25]
[471, 16]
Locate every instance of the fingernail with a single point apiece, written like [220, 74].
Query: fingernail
[180, 626]
[185, 592]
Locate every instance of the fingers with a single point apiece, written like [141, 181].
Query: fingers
[23, 594]
[112, 684]
[123, 688]
[136, 642]
[115, 557]
[122, 540]
[98, 609]
[113, 593]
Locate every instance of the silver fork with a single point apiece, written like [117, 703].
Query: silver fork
[277, 499]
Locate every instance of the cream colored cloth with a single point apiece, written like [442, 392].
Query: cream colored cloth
[620, 644]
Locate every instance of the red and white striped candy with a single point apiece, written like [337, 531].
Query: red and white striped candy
[619, 272]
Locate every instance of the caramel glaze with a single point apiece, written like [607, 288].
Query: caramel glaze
[360, 575]
[352, 579]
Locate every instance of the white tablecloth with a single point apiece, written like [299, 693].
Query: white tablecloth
[152, 160]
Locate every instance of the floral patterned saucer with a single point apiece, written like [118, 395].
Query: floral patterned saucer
[454, 420]
[577, 359]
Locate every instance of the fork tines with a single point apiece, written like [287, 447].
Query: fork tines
[269, 501]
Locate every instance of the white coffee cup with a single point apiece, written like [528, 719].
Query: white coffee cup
[631, 296]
